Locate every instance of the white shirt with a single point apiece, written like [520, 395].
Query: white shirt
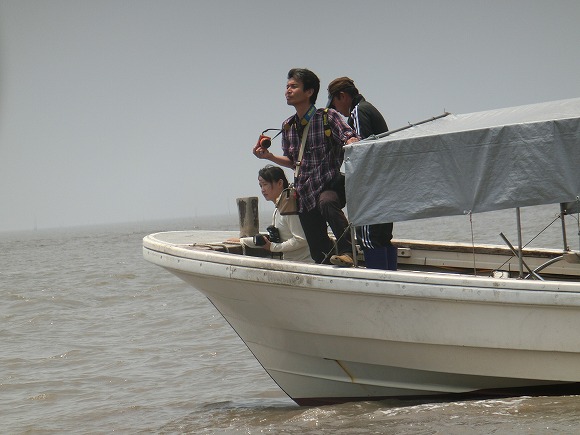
[294, 246]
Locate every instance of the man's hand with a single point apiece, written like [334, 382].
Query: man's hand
[261, 152]
[268, 244]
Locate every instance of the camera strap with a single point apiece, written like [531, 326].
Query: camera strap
[279, 130]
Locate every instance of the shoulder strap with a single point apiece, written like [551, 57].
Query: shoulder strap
[301, 152]
[327, 130]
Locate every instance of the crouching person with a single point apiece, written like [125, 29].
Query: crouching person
[285, 235]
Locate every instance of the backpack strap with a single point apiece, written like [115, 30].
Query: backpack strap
[327, 130]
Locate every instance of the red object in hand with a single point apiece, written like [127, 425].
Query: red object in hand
[264, 141]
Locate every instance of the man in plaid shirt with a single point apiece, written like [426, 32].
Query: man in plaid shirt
[318, 201]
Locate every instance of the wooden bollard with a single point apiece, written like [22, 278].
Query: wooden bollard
[248, 214]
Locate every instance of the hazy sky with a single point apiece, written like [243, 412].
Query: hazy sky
[135, 110]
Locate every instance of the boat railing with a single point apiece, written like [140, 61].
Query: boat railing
[569, 256]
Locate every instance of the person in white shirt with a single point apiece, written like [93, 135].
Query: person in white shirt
[292, 244]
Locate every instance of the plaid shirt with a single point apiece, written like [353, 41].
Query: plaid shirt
[321, 160]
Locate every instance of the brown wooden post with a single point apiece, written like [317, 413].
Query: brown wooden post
[248, 214]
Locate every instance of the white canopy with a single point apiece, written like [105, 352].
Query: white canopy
[476, 162]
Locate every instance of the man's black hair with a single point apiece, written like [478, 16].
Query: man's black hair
[308, 79]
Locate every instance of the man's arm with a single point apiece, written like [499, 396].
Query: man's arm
[341, 131]
[263, 153]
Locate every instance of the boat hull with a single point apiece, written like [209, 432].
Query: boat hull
[330, 335]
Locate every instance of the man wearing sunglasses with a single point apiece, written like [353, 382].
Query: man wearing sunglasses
[366, 120]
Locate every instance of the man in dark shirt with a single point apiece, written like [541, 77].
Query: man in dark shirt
[366, 120]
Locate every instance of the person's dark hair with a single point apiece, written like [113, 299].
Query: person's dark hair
[308, 79]
[272, 174]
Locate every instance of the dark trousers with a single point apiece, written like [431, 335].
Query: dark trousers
[375, 236]
[314, 224]
[376, 243]
[381, 258]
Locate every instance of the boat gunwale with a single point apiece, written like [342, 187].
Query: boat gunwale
[463, 284]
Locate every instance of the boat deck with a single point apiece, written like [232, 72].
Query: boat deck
[450, 257]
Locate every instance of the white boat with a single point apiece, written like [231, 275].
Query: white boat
[455, 320]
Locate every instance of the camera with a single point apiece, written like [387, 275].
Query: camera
[265, 141]
[259, 240]
[273, 236]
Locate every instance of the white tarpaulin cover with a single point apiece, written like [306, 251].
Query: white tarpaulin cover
[476, 162]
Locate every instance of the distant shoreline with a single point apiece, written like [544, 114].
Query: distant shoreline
[225, 222]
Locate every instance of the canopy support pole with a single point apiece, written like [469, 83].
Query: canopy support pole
[520, 249]
[562, 218]
[353, 243]
[388, 133]
[518, 254]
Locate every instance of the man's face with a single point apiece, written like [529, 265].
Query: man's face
[341, 103]
[295, 94]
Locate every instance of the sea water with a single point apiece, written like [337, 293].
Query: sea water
[94, 339]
